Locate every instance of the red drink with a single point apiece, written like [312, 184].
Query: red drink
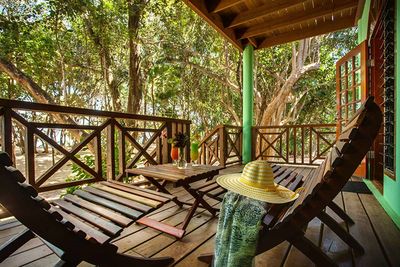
[174, 153]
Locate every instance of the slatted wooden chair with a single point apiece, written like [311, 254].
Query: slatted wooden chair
[283, 176]
[78, 227]
[288, 223]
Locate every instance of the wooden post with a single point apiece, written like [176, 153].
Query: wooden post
[30, 156]
[187, 131]
[111, 151]
[121, 153]
[310, 145]
[295, 144]
[166, 148]
[159, 149]
[98, 159]
[7, 133]
[223, 143]
[253, 143]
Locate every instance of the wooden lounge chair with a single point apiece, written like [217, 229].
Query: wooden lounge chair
[288, 223]
[112, 206]
[285, 177]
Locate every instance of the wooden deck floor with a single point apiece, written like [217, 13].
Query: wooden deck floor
[373, 228]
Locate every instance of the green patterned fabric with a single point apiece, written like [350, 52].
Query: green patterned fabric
[238, 230]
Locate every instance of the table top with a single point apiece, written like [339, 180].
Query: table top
[172, 173]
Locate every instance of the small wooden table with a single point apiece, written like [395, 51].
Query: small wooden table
[180, 177]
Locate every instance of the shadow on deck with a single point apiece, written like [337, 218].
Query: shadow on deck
[373, 229]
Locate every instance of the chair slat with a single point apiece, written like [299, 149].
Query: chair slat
[203, 185]
[100, 210]
[286, 181]
[42, 202]
[15, 173]
[209, 188]
[135, 191]
[278, 179]
[80, 225]
[146, 201]
[29, 189]
[350, 134]
[336, 157]
[296, 183]
[131, 213]
[117, 199]
[106, 226]
[164, 195]
[343, 147]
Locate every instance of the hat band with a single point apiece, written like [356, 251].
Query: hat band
[257, 185]
[269, 188]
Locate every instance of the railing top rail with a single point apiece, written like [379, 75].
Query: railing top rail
[231, 126]
[210, 133]
[23, 105]
[297, 126]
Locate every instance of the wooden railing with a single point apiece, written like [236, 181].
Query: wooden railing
[222, 146]
[101, 144]
[293, 144]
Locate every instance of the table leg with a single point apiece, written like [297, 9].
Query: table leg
[162, 189]
[189, 215]
[200, 199]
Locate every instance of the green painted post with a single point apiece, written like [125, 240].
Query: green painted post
[248, 58]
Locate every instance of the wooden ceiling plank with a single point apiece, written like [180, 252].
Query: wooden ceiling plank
[297, 19]
[225, 4]
[262, 11]
[253, 42]
[199, 6]
[329, 26]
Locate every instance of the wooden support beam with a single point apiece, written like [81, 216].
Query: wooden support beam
[224, 4]
[199, 6]
[329, 26]
[299, 18]
[262, 11]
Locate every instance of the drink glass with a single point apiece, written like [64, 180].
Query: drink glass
[194, 153]
[174, 154]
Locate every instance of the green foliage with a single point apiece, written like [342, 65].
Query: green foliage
[180, 140]
[187, 69]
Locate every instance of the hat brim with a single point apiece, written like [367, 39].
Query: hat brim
[280, 196]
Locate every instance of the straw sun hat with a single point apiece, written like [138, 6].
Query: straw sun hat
[257, 182]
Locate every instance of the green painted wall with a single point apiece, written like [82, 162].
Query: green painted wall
[248, 58]
[390, 200]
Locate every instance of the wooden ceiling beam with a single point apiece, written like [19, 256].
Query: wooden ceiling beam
[224, 4]
[328, 26]
[297, 18]
[262, 11]
[199, 6]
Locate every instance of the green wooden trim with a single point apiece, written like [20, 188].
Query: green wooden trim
[385, 205]
[363, 22]
[248, 59]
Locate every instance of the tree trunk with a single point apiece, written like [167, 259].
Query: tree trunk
[105, 61]
[273, 112]
[135, 10]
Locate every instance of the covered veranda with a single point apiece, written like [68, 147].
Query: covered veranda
[249, 25]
